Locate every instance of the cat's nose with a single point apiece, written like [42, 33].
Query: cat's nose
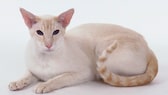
[49, 46]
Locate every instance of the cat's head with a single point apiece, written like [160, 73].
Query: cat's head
[47, 31]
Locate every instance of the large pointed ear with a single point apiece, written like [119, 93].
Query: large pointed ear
[28, 17]
[65, 17]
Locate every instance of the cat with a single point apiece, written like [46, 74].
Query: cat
[59, 58]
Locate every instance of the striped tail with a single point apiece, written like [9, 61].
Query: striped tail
[127, 81]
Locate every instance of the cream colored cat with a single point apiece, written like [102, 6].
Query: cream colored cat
[116, 54]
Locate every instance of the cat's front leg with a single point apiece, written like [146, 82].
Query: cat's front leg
[23, 82]
[60, 81]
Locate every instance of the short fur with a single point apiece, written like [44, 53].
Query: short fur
[118, 55]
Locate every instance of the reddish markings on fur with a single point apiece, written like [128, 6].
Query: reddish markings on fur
[127, 81]
[102, 58]
[111, 47]
[102, 70]
[109, 78]
[109, 50]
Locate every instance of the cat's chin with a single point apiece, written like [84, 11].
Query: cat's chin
[48, 50]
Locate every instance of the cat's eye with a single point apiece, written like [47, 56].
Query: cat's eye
[39, 32]
[55, 32]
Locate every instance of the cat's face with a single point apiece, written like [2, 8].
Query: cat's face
[47, 32]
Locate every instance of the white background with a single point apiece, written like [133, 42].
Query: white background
[148, 17]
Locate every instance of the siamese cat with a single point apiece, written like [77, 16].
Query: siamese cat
[60, 58]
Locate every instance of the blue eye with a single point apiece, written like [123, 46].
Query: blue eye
[55, 32]
[39, 32]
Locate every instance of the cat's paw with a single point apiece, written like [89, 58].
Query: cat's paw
[13, 86]
[43, 88]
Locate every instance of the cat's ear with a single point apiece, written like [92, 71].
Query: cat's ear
[28, 17]
[65, 17]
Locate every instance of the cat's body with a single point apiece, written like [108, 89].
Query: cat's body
[65, 59]
[116, 54]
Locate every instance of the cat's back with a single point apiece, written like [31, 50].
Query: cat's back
[101, 30]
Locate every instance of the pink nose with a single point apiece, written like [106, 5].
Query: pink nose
[49, 46]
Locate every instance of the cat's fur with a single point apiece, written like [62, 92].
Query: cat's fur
[116, 54]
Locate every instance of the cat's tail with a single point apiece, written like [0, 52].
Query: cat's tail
[127, 81]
